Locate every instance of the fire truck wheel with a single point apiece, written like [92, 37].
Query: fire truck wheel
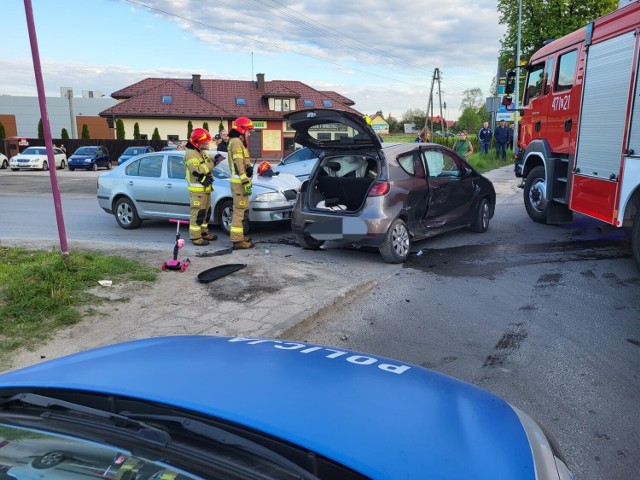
[535, 195]
[635, 240]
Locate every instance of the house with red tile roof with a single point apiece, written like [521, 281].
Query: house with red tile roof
[168, 104]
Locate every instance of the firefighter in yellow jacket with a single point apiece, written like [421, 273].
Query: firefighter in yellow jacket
[198, 165]
[241, 173]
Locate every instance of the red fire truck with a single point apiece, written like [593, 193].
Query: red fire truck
[579, 137]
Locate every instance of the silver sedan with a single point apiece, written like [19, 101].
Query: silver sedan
[153, 187]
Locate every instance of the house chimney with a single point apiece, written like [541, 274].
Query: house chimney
[196, 86]
[260, 78]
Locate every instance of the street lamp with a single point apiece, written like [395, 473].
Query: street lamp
[517, 86]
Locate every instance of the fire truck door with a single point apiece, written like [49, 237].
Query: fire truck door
[601, 135]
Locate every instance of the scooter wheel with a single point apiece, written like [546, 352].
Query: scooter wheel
[164, 266]
[183, 267]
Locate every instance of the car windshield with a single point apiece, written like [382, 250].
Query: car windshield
[86, 151]
[134, 150]
[35, 151]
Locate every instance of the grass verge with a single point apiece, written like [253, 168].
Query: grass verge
[41, 293]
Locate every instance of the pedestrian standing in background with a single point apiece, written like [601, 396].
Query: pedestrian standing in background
[463, 146]
[223, 146]
[424, 135]
[484, 135]
[501, 135]
[241, 173]
[510, 139]
[198, 165]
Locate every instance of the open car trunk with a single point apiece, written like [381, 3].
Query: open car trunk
[341, 182]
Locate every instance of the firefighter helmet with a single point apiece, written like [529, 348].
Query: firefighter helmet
[242, 124]
[199, 136]
[263, 167]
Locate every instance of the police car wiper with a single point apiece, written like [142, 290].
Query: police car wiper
[228, 439]
[51, 405]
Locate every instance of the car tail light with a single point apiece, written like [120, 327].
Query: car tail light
[378, 189]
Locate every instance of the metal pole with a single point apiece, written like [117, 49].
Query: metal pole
[517, 89]
[37, 68]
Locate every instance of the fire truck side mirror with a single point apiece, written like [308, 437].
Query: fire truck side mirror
[506, 100]
[510, 85]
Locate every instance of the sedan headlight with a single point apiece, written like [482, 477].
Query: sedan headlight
[87, 160]
[270, 197]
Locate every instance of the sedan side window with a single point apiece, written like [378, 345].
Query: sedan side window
[451, 168]
[406, 162]
[150, 166]
[176, 167]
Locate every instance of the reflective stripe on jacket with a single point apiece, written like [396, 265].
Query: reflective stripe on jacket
[238, 156]
[199, 163]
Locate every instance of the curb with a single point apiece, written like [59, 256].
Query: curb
[298, 324]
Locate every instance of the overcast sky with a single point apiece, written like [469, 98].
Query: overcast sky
[380, 54]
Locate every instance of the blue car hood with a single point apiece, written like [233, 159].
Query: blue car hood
[81, 157]
[380, 417]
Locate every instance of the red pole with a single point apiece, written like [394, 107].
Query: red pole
[37, 68]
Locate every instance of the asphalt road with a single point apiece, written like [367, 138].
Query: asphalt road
[547, 317]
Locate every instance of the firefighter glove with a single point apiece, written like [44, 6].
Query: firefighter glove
[249, 171]
[206, 180]
[247, 188]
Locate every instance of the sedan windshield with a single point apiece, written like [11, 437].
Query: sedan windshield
[85, 151]
[34, 151]
[134, 151]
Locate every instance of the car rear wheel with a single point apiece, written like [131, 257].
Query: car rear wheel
[94, 167]
[305, 241]
[45, 166]
[397, 243]
[225, 215]
[4, 165]
[71, 169]
[126, 214]
[109, 165]
[62, 165]
[15, 169]
[49, 460]
[480, 223]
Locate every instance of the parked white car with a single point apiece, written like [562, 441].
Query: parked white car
[36, 158]
[4, 161]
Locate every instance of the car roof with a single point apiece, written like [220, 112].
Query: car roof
[383, 418]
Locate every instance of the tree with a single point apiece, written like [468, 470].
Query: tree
[205, 125]
[394, 125]
[156, 134]
[415, 116]
[64, 135]
[85, 132]
[136, 131]
[473, 98]
[543, 20]
[40, 130]
[189, 128]
[220, 126]
[3, 133]
[120, 135]
[469, 120]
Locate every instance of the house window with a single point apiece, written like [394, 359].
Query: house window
[173, 138]
[277, 104]
[144, 136]
[241, 101]
[308, 103]
[285, 105]
[167, 99]
[324, 136]
[327, 103]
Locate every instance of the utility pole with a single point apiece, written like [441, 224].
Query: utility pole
[430, 113]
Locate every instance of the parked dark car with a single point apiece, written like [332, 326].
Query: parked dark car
[201, 407]
[90, 158]
[382, 195]
[132, 152]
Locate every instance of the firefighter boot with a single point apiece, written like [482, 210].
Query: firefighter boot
[200, 242]
[210, 236]
[242, 245]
